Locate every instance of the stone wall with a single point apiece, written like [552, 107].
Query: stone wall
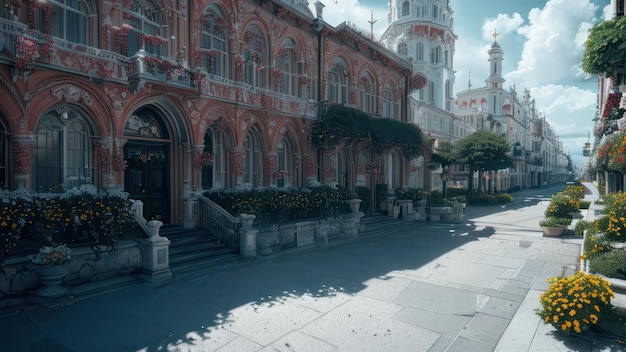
[18, 278]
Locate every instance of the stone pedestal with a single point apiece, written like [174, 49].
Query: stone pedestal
[247, 242]
[155, 256]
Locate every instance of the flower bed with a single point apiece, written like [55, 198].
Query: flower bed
[273, 204]
[80, 216]
[574, 303]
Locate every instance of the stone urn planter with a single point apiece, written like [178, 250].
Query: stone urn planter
[553, 231]
[354, 204]
[447, 216]
[51, 278]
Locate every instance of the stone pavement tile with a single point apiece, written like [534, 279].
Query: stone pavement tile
[366, 324]
[500, 307]
[521, 330]
[211, 339]
[18, 333]
[297, 341]
[478, 275]
[386, 289]
[179, 313]
[438, 298]
[93, 328]
[446, 324]
[239, 344]
[266, 322]
[547, 338]
[501, 261]
[442, 344]
[462, 344]
[485, 329]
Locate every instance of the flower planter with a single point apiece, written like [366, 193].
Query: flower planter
[448, 217]
[354, 204]
[553, 231]
[51, 278]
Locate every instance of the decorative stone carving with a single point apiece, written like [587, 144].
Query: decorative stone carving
[70, 92]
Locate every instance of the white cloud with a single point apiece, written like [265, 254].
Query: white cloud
[503, 24]
[554, 42]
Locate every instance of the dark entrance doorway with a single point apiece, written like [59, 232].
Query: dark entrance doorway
[146, 177]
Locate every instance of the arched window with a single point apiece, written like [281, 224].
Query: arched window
[392, 171]
[431, 91]
[367, 96]
[402, 49]
[448, 95]
[68, 20]
[213, 176]
[255, 57]
[419, 52]
[62, 154]
[388, 104]
[4, 157]
[341, 175]
[214, 44]
[445, 57]
[435, 55]
[288, 70]
[253, 157]
[145, 19]
[435, 12]
[405, 9]
[338, 84]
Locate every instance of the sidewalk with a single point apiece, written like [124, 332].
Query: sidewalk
[471, 286]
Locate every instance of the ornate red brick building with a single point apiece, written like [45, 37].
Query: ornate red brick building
[163, 99]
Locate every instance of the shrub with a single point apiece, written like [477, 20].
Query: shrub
[584, 204]
[552, 221]
[613, 223]
[610, 264]
[504, 198]
[595, 245]
[582, 226]
[562, 206]
[409, 193]
[275, 204]
[576, 191]
[576, 302]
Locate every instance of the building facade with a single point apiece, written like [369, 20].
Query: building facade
[538, 155]
[164, 100]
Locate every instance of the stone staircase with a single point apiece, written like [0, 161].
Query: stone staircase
[195, 249]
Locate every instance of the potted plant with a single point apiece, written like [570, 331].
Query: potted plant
[554, 226]
[51, 268]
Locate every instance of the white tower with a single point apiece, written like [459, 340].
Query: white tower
[422, 30]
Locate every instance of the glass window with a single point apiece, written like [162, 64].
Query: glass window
[337, 85]
[4, 150]
[405, 9]
[288, 73]
[61, 154]
[402, 49]
[213, 45]
[388, 110]
[253, 159]
[146, 21]
[419, 56]
[67, 19]
[255, 58]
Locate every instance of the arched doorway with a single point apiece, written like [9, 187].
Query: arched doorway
[147, 156]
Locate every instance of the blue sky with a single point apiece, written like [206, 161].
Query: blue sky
[543, 43]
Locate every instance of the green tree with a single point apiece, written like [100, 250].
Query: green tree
[445, 154]
[483, 151]
[605, 48]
